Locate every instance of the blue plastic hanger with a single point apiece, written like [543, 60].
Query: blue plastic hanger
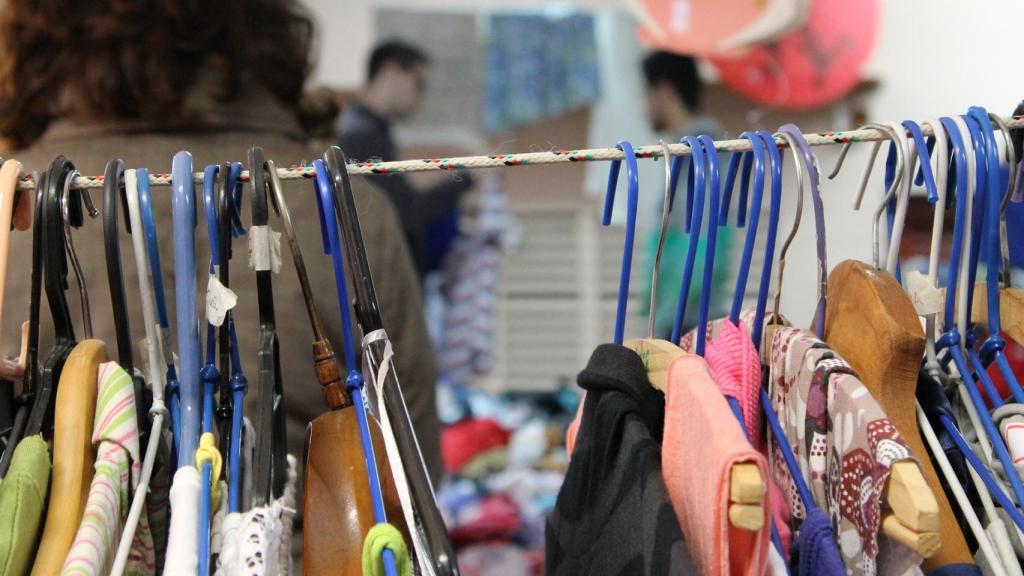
[711, 156]
[172, 391]
[632, 175]
[951, 338]
[980, 222]
[354, 381]
[992, 349]
[755, 158]
[209, 374]
[775, 160]
[695, 215]
[184, 218]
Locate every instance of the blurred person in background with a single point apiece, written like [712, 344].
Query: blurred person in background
[674, 92]
[97, 80]
[396, 82]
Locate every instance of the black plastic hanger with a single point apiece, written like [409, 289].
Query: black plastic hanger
[429, 522]
[270, 462]
[55, 275]
[114, 190]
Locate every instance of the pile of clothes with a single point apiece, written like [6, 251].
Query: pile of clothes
[505, 461]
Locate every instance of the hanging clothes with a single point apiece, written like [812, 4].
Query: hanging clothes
[117, 469]
[158, 503]
[613, 514]
[471, 275]
[844, 443]
[182, 557]
[694, 408]
[258, 542]
[22, 500]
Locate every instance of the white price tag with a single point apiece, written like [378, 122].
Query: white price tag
[219, 299]
[926, 297]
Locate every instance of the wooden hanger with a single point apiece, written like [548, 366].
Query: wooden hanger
[73, 455]
[872, 324]
[430, 535]
[15, 212]
[364, 492]
[337, 510]
[746, 485]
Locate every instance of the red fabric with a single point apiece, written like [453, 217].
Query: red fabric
[496, 518]
[1015, 354]
[461, 442]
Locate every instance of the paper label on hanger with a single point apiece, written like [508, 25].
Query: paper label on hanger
[264, 249]
[219, 299]
[926, 297]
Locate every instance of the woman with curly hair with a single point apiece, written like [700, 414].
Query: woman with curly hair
[139, 80]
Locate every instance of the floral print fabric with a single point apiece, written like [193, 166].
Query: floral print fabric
[845, 446]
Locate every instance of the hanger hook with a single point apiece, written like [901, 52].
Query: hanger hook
[1011, 185]
[633, 178]
[666, 208]
[804, 159]
[65, 203]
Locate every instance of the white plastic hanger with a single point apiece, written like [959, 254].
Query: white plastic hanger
[156, 365]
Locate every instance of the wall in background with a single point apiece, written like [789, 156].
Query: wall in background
[933, 58]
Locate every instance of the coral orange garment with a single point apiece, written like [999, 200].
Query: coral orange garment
[702, 440]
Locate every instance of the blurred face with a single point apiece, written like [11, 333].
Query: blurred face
[406, 88]
[658, 99]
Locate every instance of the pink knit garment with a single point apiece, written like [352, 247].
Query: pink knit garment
[736, 370]
[702, 442]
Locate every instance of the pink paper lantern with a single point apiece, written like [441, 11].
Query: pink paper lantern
[812, 66]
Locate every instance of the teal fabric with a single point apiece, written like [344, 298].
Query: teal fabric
[674, 256]
[671, 275]
[22, 501]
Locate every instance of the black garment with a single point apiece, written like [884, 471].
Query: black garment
[613, 515]
[364, 135]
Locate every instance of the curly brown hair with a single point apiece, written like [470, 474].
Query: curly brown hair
[137, 59]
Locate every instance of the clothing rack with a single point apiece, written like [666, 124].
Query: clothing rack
[650, 151]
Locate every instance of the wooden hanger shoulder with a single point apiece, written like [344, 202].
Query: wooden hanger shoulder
[746, 485]
[872, 324]
[1011, 310]
[337, 508]
[73, 454]
[657, 355]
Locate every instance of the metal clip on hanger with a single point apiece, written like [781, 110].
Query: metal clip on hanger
[270, 463]
[113, 191]
[430, 523]
[184, 218]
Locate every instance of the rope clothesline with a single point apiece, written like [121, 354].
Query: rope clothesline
[532, 158]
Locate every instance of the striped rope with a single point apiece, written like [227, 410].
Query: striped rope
[531, 158]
